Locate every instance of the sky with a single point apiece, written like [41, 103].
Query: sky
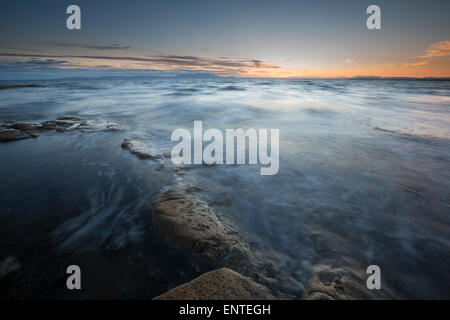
[245, 38]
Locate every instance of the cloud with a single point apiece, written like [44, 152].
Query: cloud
[90, 46]
[167, 62]
[205, 62]
[259, 64]
[438, 49]
[35, 63]
[349, 61]
[47, 62]
[33, 68]
[416, 64]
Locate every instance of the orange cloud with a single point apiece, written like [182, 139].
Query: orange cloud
[438, 49]
[434, 62]
[416, 64]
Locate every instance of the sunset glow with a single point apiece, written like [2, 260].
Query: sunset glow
[296, 40]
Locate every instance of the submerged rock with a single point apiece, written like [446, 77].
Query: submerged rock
[8, 265]
[383, 130]
[95, 125]
[330, 283]
[17, 86]
[220, 284]
[142, 151]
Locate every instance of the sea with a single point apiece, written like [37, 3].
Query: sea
[364, 179]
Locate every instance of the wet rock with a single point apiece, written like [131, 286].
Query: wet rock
[383, 130]
[69, 118]
[414, 189]
[23, 126]
[22, 130]
[17, 86]
[319, 296]
[232, 88]
[191, 222]
[96, 125]
[8, 265]
[340, 284]
[142, 151]
[59, 125]
[7, 135]
[48, 125]
[220, 284]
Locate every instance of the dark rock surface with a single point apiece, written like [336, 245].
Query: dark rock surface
[17, 86]
[7, 135]
[12, 131]
[8, 265]
[329, 283]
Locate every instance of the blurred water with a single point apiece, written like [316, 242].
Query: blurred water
[364, 179]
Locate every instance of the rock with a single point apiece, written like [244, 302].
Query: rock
[340, 284]
[220, 284]
[319, 296]
[57, 125]
[414, 189]
[12, 135]
[383, 130]
[140, 150]
[17, 86]
[191, 222]
[64, 123]
[70, 118]
[23, 126]
[48, 125]
[8, 265]
[23, 130]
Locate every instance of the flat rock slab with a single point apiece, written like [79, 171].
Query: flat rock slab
[220, 284]
[191, 222]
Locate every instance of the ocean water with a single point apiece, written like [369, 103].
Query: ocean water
[364, 178]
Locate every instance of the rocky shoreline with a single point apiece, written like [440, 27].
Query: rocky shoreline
[241, 273]
[180, 214]
[13, 131]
